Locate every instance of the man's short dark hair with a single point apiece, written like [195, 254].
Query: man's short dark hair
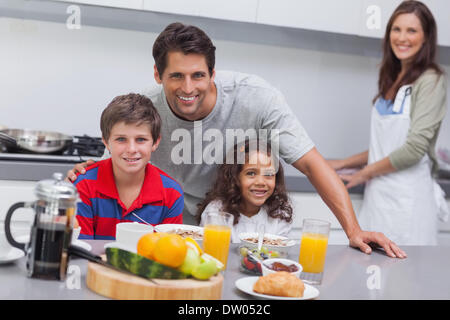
[184, 38]
[132, 109]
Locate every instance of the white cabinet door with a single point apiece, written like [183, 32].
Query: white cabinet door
[236, 10]
[189, 8]
[126, 4]
[375, 15]
[366, 18]
[324, 15]
[441, 12]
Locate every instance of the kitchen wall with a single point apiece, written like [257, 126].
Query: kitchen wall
[54, 78]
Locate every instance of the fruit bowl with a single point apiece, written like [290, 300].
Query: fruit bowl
[277, 246]
[250, 259]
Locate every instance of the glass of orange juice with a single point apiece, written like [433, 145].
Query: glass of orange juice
[313, 249]
[217, 234]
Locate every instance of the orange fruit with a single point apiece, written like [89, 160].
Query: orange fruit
[147, 243]
[191, 243]
[170, 250]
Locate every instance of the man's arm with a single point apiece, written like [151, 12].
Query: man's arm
[333, 192]
[71, 175]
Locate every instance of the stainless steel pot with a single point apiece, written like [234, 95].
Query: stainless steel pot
[35, 140]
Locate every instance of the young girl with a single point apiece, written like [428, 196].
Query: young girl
[253, 192]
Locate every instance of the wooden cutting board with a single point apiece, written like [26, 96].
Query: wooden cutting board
[117, 285]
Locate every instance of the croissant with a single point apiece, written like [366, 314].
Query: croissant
[280, 283]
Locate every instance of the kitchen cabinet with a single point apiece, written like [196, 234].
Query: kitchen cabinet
[376, 13]
[236, 10]
[374, 16]
[125, 4]
[325, 15]
[365, 18]
[441, 12]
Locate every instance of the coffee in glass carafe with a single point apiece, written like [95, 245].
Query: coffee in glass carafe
[51, 232]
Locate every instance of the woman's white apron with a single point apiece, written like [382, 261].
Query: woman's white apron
[403, 204]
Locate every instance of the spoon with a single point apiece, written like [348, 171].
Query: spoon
[261, 230]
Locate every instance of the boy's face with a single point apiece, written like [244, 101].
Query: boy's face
[189, 89]
[257, 182]
[131, 147]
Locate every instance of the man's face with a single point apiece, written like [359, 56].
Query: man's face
[189, 89]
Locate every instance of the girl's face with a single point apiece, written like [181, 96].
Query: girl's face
[257, 180]
[406, 37]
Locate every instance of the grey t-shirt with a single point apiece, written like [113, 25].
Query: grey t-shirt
[189, 151]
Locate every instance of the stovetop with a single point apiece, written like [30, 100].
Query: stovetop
[82, 148]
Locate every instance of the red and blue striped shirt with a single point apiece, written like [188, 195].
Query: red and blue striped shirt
[160, 201]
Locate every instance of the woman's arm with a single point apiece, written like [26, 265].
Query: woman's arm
[355, 161]
[428, 108]
[370, 171]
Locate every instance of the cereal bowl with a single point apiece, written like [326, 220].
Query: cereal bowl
[184, 230]
[278, 264]
[273, 246]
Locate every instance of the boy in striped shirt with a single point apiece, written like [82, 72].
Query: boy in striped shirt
[126, 187]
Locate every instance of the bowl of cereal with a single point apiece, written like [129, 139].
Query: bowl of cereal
[184, 230]
[273, 246]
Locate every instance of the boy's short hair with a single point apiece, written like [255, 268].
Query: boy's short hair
[132, 109]
[184, 38]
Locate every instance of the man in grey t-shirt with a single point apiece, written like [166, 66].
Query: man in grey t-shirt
[199, 106]
[190, 150]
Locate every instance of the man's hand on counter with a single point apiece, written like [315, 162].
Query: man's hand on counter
[365, 239]
[78, 168]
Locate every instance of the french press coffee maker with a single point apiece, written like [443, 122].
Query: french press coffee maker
[51, 231]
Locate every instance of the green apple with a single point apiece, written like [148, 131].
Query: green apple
[205, 270]
[191, 261]
[219, 265]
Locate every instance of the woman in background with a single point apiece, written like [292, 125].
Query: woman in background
[401, 198]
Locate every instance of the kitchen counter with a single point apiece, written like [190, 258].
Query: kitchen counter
[349, 274]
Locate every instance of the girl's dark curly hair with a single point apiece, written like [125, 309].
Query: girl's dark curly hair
[227, 186]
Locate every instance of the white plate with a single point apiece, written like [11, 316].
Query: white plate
[246, 285]
[119, 245]
[170, 227]
[82, 244]
[13, 255]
